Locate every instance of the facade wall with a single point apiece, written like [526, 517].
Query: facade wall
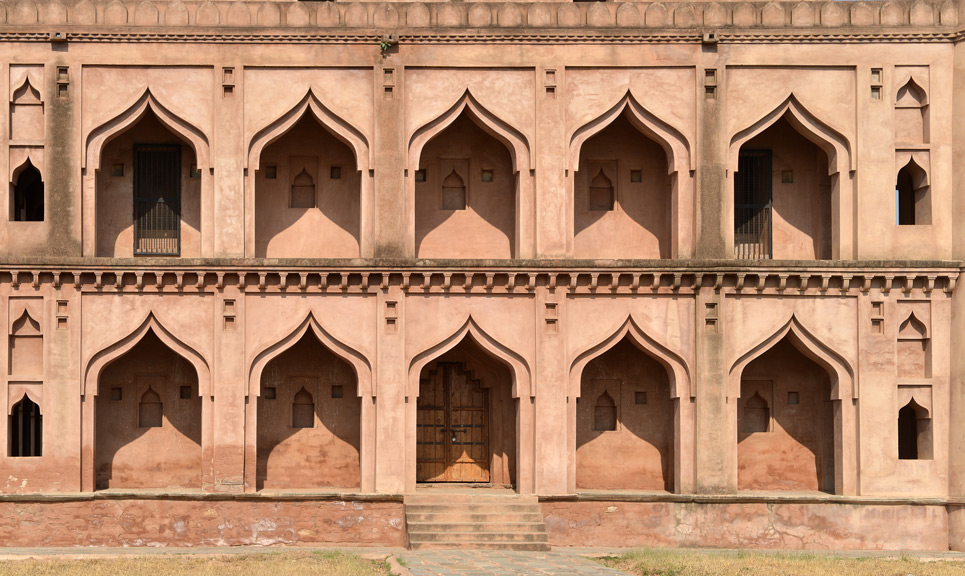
[462, 227]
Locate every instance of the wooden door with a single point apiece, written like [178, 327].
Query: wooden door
[452, 427]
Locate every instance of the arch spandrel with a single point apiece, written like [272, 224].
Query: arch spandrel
[97, 139]
[310, 104]
[105, 356]
[674, 143]
[839, 369]
[514, 140]
[517, 364]
[678, 371]
[837, 146]
[359, 362]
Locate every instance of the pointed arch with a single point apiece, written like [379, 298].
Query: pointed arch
[98, 138]
[522, 379]
[26, 88]
[35, 395]
[831, 141]
[839, 370]
[26, 320]
[339, 127]
[360, 364]
[27, 163]
[678, 373]
[912, 86]
[513, 139]
[918, 329]
[108, 355]
[917, 172]
[677, 146]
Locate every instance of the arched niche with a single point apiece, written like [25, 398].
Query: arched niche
[793, 339]
[340, 159]
[27, 198]
[912, 191]
[651, 163]
[504, 197]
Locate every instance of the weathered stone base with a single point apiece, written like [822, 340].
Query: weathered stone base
[100, 520]
[748, 522]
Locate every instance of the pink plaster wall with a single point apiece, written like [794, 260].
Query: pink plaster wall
[637, 455]
[797, 452]
[175, 522]
[326, 455]
[128, 456]
[639, 226]
[761, 525]
[486, 228]
[331, 229]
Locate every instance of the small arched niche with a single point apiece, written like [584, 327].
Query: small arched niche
[26, 114]
[303, 190]
[911, 114]
[914, 432]
[914, 349]
[756, 415]
[150, 410]
[912, 198]
[453, 192]
[303, 410]
[27, 199]
[604, 413]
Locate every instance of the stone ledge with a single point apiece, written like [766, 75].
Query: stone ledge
[750, 498]
[400, 16]
[287, 496]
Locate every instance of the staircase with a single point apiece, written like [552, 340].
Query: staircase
[493, 522]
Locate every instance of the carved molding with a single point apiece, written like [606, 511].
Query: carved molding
[748, 280]
[407, 17]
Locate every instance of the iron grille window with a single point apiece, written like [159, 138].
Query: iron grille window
[752, 205]
[157, 199]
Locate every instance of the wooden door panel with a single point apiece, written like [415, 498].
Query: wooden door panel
[452, 427]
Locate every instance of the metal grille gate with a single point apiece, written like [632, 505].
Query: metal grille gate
[157, 199]
[752, 205]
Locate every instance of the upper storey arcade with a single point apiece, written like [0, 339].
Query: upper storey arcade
[502, 131]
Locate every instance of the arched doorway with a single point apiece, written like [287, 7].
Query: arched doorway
[466, 419]
[785, 423]
[148, 420]
[148, 193]
[625, 422]
[308, 420]
[782, 197]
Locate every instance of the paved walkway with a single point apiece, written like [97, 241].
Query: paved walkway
[494, 563]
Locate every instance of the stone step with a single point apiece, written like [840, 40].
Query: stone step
[511, 546]
[475, 527]
[471, 509]
[477, 537]
[461, 517]
[460, 499]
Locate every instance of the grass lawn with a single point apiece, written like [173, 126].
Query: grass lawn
[701, 563]
[268, 563]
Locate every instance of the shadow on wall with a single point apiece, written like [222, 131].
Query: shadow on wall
[785, 424]
[624, 409]
[309, 420]
[148, 420]
[636, 221]
[484, 225]
[307, 196]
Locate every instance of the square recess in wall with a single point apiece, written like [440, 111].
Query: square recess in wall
[184, 393]
[640, 397]
[337, 391]
[271, 172]
[793, 398]
[117, 394]
[636, 175]
[270, 393]
[117, 170]
[335, 173]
